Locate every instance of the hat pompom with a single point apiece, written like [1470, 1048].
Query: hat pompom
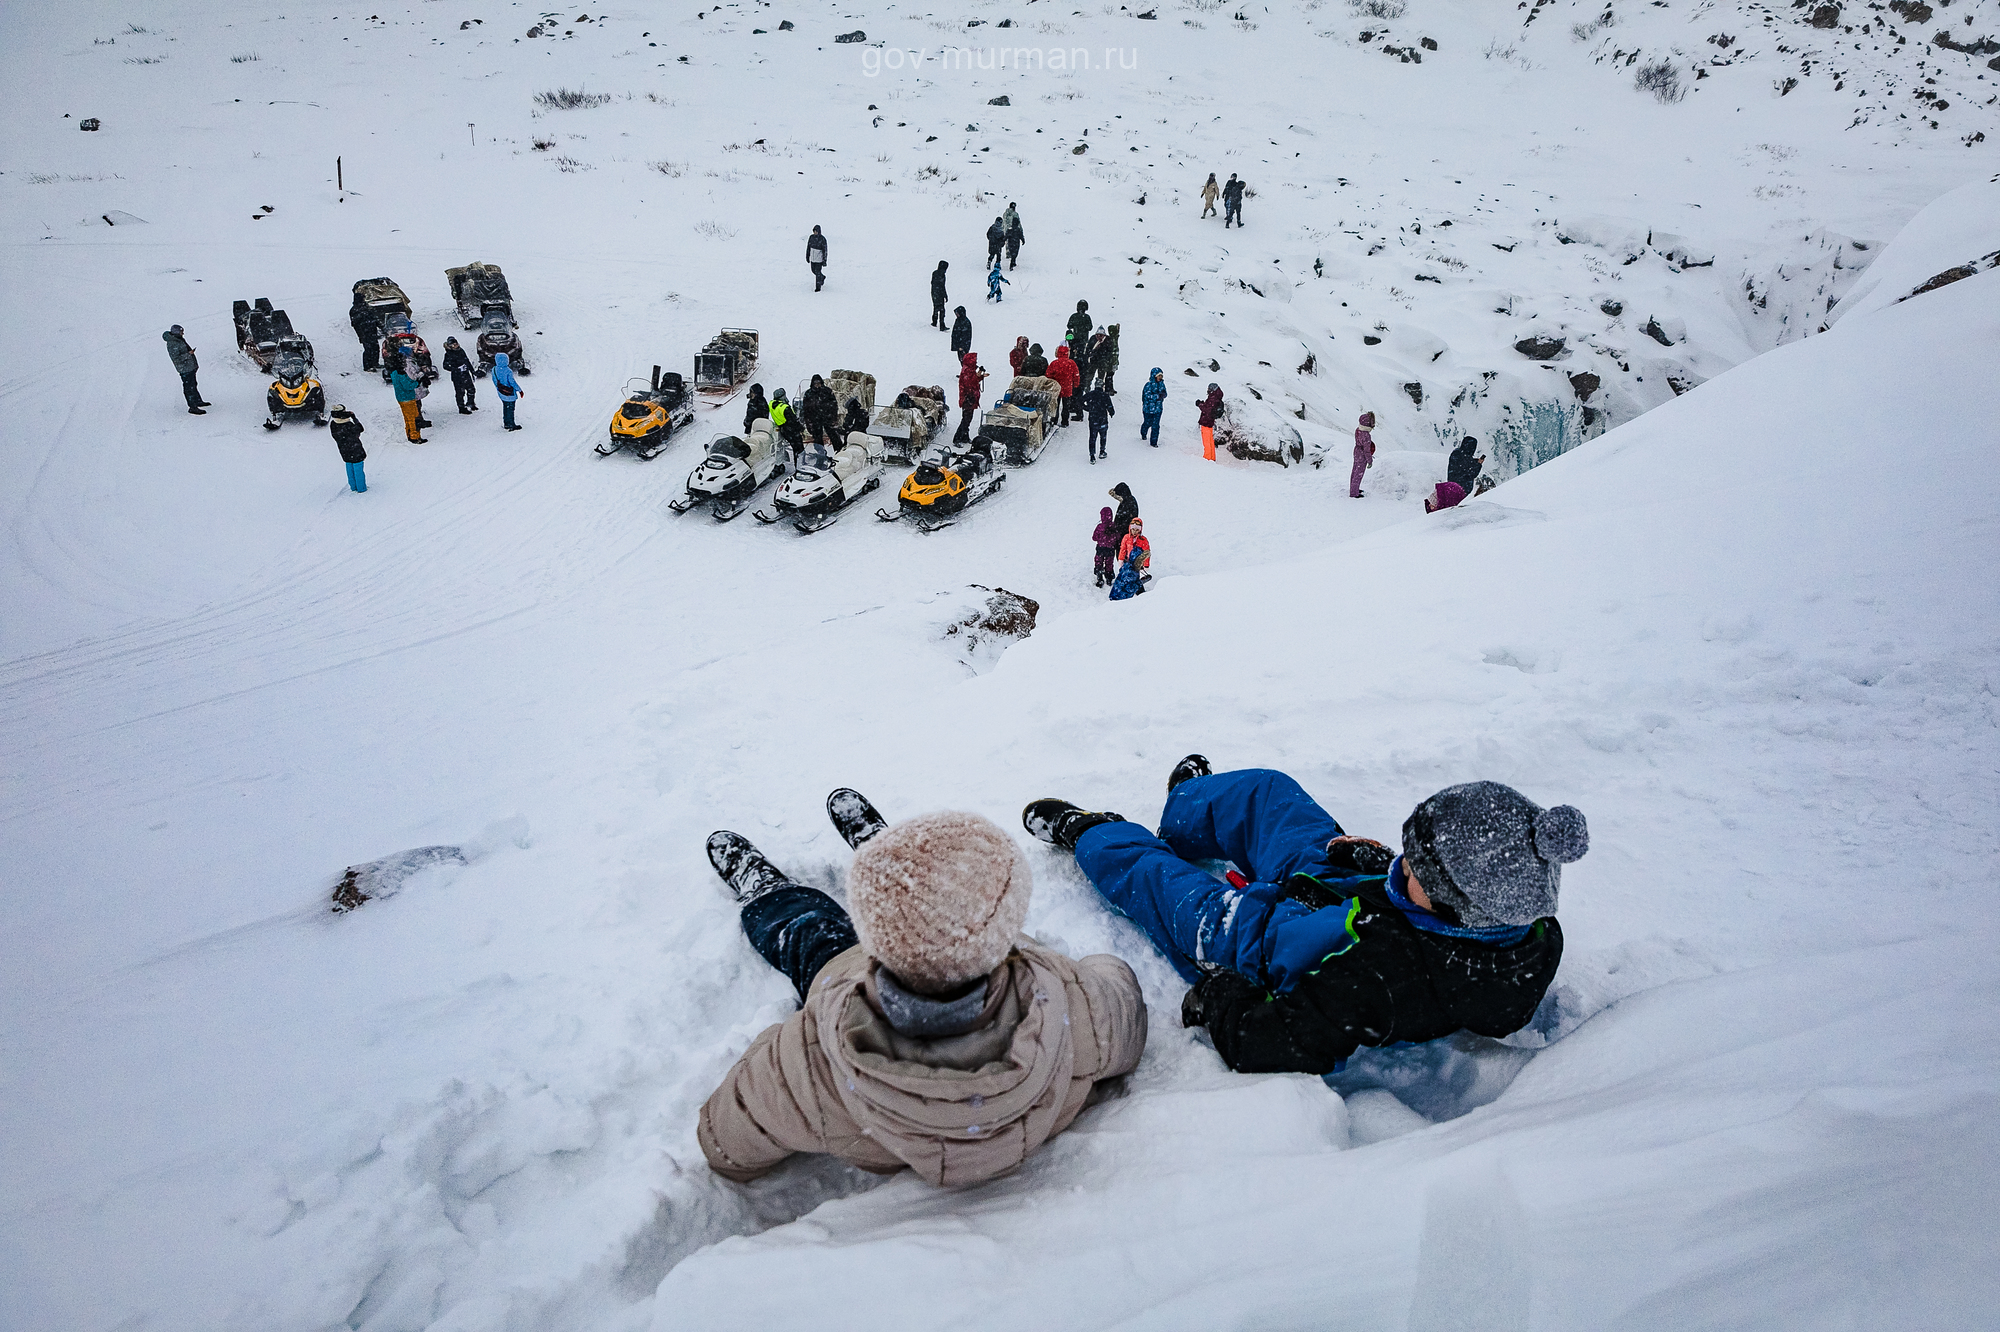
[1561, 835]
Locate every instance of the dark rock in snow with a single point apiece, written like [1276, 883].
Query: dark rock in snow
[1585, 384]
[385, 877]
[1613, 308]
[1656, 333]
[1429, 44]
[89, 124]
[1540, 348]
[1978, 46]
[1916, 11]
[1007, 615]
[1079, 150]
[1370, 340]
[1416, 392]
[1284, 447]
[1149, 14]
[1826, 16]
[1001, 100]
[785, 25]
[856, 36]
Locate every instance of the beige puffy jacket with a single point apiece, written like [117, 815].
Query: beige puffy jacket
[836, 1077]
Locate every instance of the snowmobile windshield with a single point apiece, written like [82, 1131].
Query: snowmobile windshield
[930, 474]
[290, 368]
[729, 447]
[636, 410]
[497, 326]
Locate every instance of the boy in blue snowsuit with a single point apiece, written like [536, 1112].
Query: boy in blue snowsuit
[1152, 402]
[994, 281]
[1326, 942]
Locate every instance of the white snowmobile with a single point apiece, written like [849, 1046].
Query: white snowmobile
[815, 493]
[735, 467]
[947, 482]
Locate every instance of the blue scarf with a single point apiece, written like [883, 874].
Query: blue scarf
[1504, 936]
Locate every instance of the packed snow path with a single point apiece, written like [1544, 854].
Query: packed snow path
[1750, 633]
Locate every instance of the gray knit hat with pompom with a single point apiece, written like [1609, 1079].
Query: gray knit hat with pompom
[1490, 856]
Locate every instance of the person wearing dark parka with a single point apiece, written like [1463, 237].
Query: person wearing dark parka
[1077, 334]
[1462, 468]
[459, 366]
[938, 296]
[185, 366]
[961, 332]
[346, 431]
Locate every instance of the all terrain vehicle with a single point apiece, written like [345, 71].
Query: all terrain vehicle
[813, 496]
[296, 391]
[736, 466]
[726, 363]
[652, 411]
[942, 488]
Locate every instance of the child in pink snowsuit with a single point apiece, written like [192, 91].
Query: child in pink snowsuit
[1364, 454]
[1106, 540]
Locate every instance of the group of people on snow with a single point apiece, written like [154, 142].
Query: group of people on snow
[1232, 199]
[1123, 553]
[934, 1035]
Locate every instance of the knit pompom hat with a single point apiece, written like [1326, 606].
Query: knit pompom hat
[939, 898]
[1489, 855]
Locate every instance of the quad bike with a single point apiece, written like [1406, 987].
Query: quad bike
[941, 489]
[815, 493]
[652, 411]
[296, 391]
[259, 330]
[736, 466]
[726, 362]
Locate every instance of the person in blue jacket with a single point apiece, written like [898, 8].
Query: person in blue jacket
[1319, 942]
[508, 388]
[1152, 402]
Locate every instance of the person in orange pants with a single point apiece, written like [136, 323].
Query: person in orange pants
[406, 398]
[1211, 408]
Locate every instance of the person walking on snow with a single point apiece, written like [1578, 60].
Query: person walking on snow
[938, 297]
[405, 385]
[994, 281]
[1325, 942]
[1208, 196]
[185, 366]
[970, 378]
[816, 257]
[1097, 407]
[755, 408]
[1128, 509]
[1015, 236]
[1063, 371]
[1232, 202]
[1210, 410]
[346, 432]
[1078, 331]
[1018, 356]
[1034, 364]
[1135, 556]
[961, 332]
[1104, 567]
[1152, 402]
[459, 366]
[932, 1034]
[996, 241]
[1364, 453]
[508, 388]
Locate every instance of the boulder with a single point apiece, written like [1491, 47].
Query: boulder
[985, 626]
[1001, 100]
[1612, 308]
[1826, 16]
[1667, 332]
[1585, 384]
[856, 36]
[1540, 347]
[1416, 392]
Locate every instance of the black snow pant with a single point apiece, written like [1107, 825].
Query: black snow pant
[1232, 213]
[188, 387]
[371, 352]
[992, 254]
[937, 316]
[461, 385]
[1013, 252]
[1067, 413]
[819, 275]
[798, 930]
[964, 435]
[1106, 566]
[1100, 439]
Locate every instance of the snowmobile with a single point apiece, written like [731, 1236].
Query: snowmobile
[498, 335]
[259, 330]
[653, 409]
[399, 339]
[1020, 423]
[735, 467]
[726, 362]
[906, 426]
[940, 489]
[296, 391]
[815, 493]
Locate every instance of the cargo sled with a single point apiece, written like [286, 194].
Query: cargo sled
[259, 330]
[906, 426]
[1019, 425]
[726, 363]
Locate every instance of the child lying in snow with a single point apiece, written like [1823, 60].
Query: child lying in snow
[932, 1033]
[1334, 941]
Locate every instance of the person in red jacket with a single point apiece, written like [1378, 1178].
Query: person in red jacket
[1018, 355]
[1211, 409]
[970, 377]
[1064, 371]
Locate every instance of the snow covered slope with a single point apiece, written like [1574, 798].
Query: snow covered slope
[1750, 632]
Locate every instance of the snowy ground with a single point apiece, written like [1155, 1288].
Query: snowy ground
[1750, 632]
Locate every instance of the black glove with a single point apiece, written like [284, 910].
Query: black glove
[1362, 855]
[1191, 1014]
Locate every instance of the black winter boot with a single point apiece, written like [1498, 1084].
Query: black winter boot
[1194, 765]
[854, 817]
[742, 866]
[1060, 823]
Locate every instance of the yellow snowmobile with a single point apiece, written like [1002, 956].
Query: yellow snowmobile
[653, 409]
[295, 391]
[944, 487]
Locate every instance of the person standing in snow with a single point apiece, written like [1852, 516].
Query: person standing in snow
[367, 326]
[856, 420]
[1152, 402]
[1462, 469]
[406, 386]
[1135, 556]
[1209, 411]
[1077, 333]
[1209, 192]
[1128, 509]
[1105, 364]
[346, 431]
[508, 388]
[996, 241]
[785, 421]
[1334, 942]
[186, 367]
[1018, 355]
[994, 281]
[1232, 202]
[1034, 364]
[459, 366]
[970, 378]
[1063, 371]
[961, 331]
[938, 297]
[931, 1033]
[1104, 567]
[1015, 236]
[819, 412]
[1364, 453]
[816, 257]
[755, 408]
[1098, 409]
[1447, 496]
